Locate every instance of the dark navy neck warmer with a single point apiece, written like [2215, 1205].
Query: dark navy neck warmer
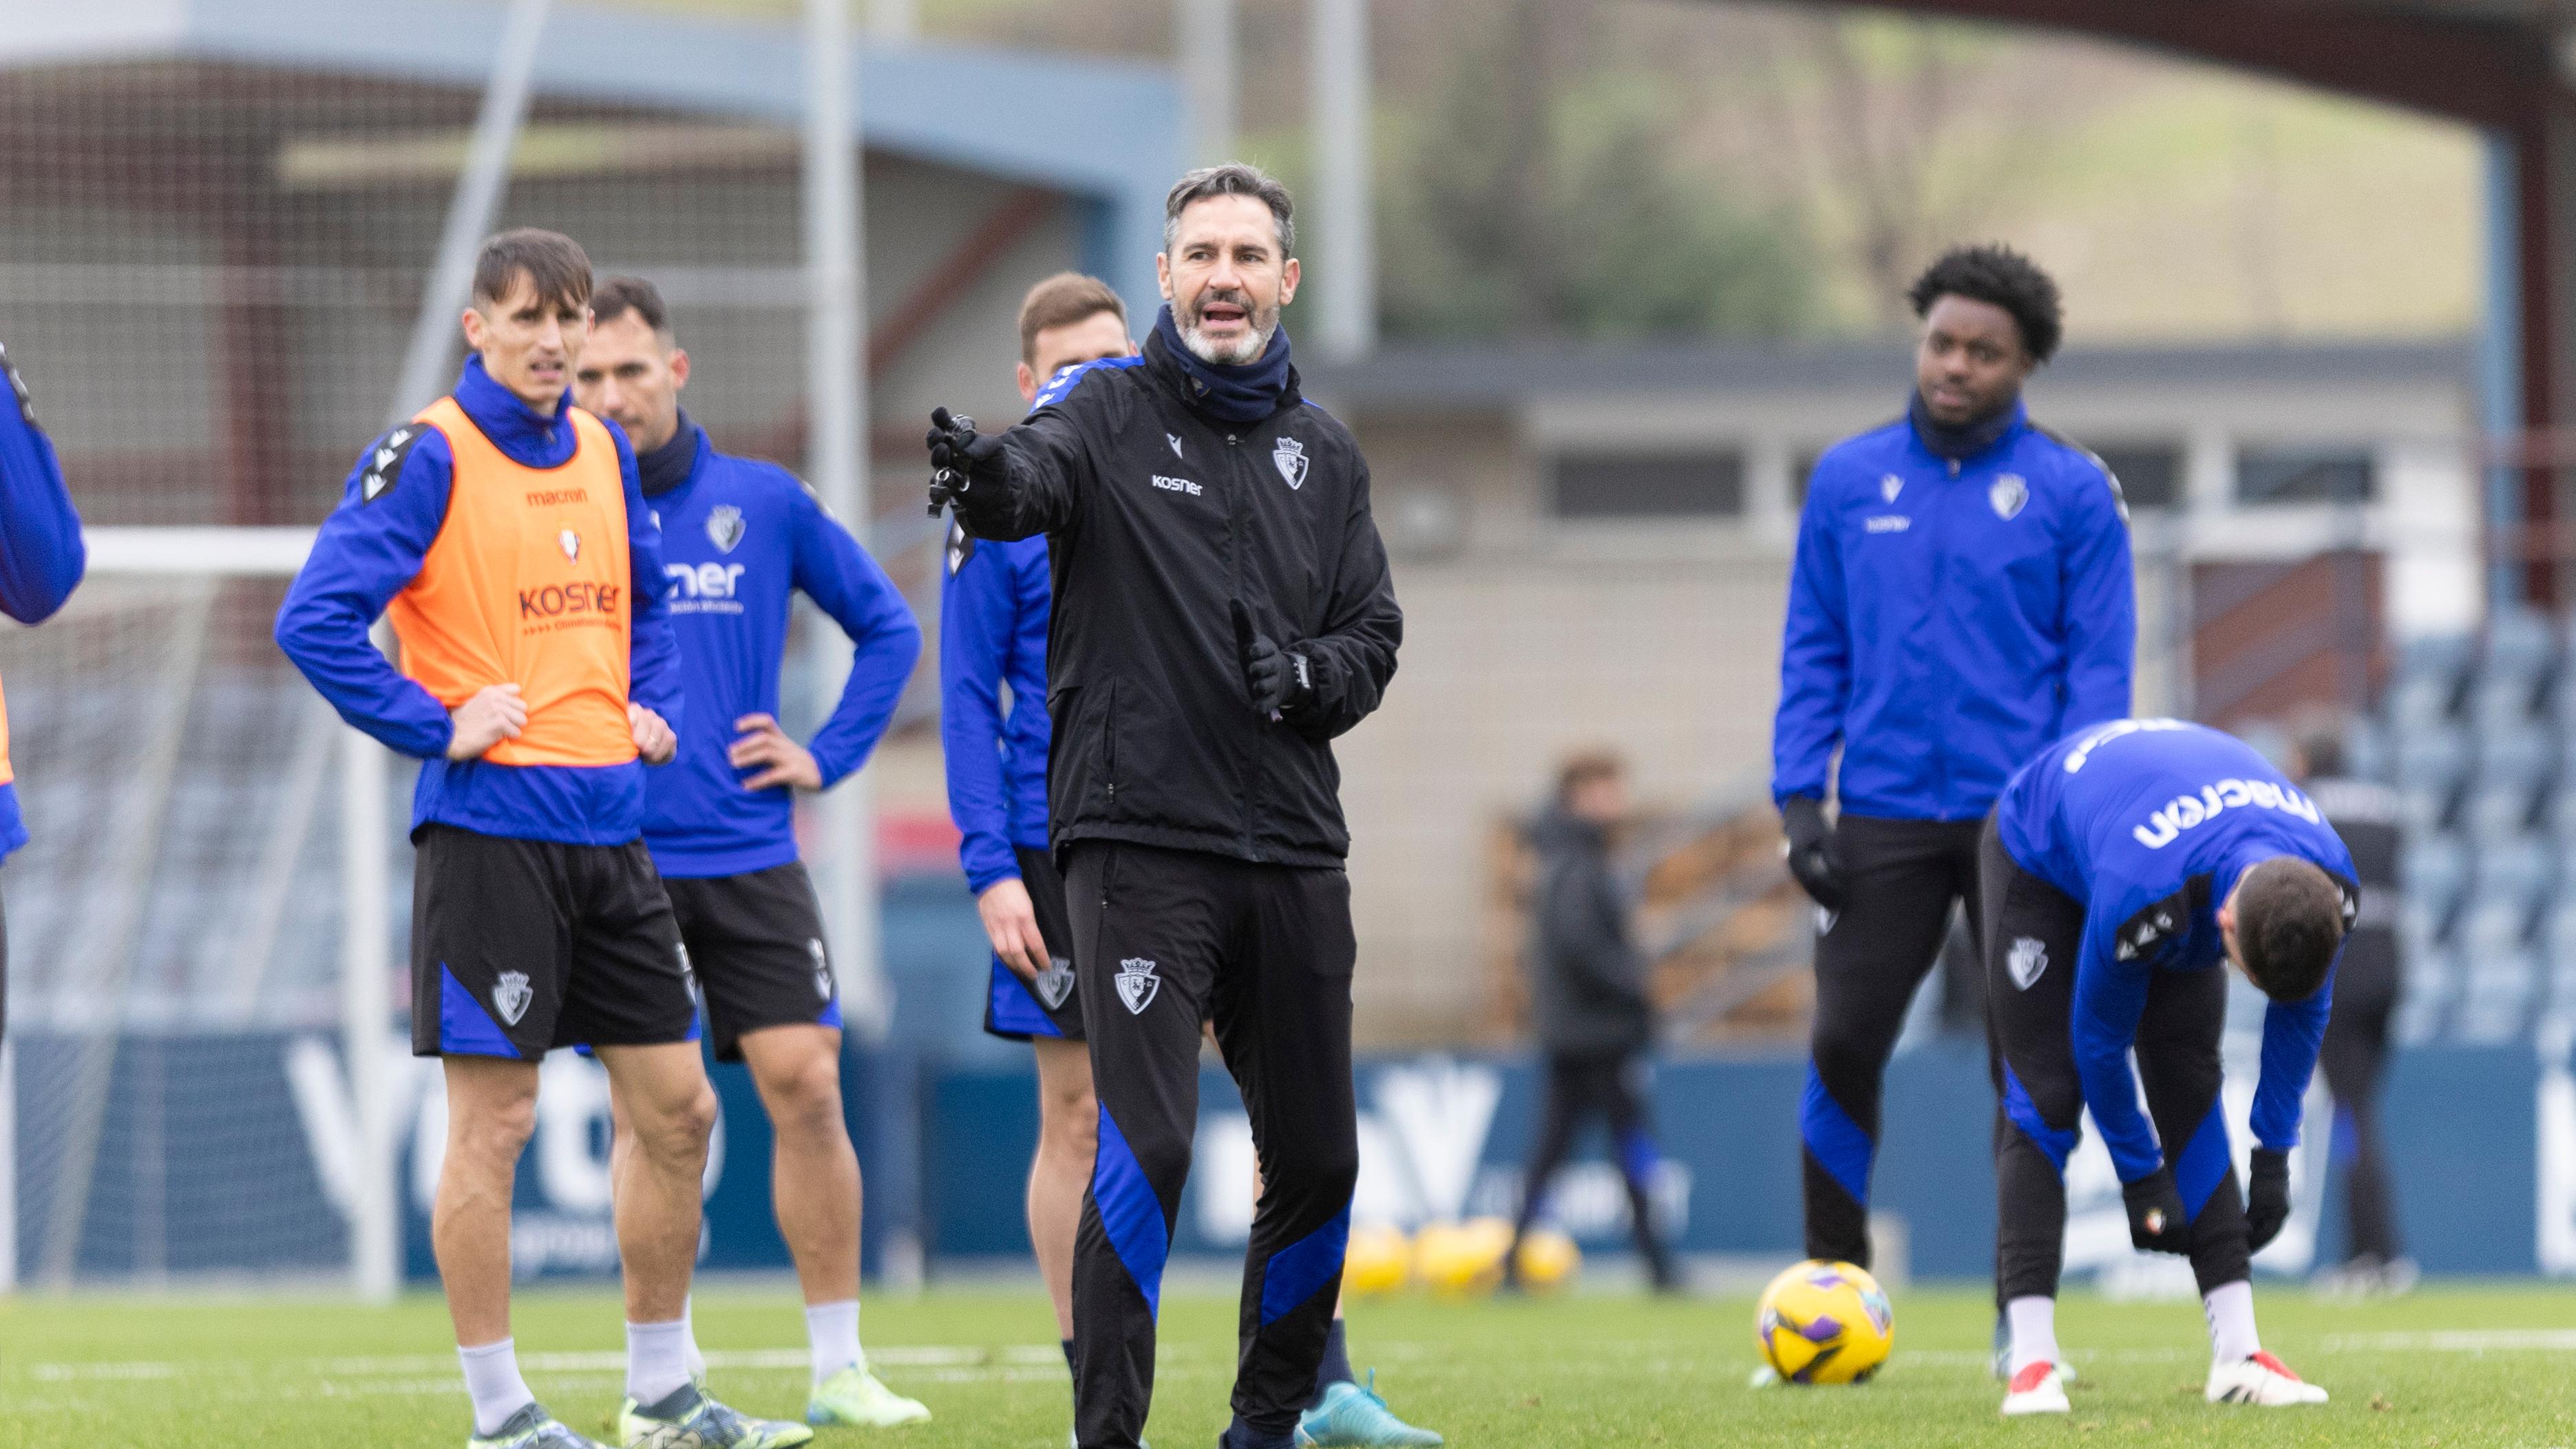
[1967, 440]
[667, 467]
[1244, 394]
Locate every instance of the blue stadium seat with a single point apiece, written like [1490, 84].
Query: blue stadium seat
[2434, 874]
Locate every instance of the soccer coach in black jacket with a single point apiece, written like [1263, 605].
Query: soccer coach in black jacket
[1222, 611]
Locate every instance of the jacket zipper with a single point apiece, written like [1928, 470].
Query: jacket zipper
[1234, 490]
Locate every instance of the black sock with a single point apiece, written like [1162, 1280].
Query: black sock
[1336, 1367]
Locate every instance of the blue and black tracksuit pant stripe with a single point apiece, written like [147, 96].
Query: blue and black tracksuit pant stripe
[1900, 878]
[2043, 1100]
[1163, 940]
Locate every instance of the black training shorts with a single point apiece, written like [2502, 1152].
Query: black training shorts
[1016, 1009]
[520, 946]
[756, 943]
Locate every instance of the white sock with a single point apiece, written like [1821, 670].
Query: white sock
[657, 1359]
[2034, 1331]
[492, 1377]
[832, 1329]
[696, 1360]
[2230, 1307]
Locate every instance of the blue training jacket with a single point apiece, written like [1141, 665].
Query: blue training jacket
[993, 615]
[368, 551]
[1947, 620]
[739, 536]
[42, 555]
[2148, 824]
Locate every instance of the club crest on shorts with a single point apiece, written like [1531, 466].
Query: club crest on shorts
[822, 967]
[2027, 961]
[1825, 918]
[1889, 485]
[570, 543]
[510, 996]
[1290, 455]
[2008, 494]
[1137, 984]
[1055, 983]
[724, 526]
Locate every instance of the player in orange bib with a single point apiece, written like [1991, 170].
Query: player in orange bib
[503, 533]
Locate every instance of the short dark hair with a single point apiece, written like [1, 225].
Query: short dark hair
[554, 263]
[1234, 178]
[1061, 301]
[618, 296]
[1585, 766]
[1997, 274]
[2289, 922]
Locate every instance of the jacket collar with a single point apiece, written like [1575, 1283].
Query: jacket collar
[524, 435]
[1960, 444]
[1240, 395]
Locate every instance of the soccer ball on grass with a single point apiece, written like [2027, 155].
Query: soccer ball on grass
[1824, 1323]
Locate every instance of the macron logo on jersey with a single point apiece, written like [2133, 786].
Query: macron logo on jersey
[2187, 811]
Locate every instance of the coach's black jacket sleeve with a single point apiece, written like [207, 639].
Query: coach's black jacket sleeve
[1045, 457]
[1351, 661]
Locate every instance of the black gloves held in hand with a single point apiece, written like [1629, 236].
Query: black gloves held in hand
[958, 457]
[2267, 1198]
[2157, 1222]
[1277, 679]
[1811, 850]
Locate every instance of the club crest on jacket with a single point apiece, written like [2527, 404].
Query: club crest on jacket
[1290, 455]
[724, 526]
[2008, 494]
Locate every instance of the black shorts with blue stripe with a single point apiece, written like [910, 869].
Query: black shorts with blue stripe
[1012, 1009]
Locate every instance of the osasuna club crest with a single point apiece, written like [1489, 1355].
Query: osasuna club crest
[1055, 983]
[570, 543]
[1137, 984]
[1290, 455]
[724, 526]
[2027, 961]
[510, 996]
[2008, 494]
[1889, 485]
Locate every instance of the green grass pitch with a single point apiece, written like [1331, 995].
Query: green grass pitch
[2450, 1366]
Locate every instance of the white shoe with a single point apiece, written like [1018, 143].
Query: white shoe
[2263, 1381]
[2037, 1389]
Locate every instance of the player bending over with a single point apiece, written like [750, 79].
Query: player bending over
[2120, 868]
[739, 537]
[504, 531]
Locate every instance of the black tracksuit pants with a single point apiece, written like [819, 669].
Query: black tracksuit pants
[1582, 1085]
[2355, 1058]
[1899, 880]
[2178, 1064]
[1164, 939]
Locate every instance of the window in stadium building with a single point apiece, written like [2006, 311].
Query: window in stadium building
[1651, 485]
[2150, 474]
[2305, 475]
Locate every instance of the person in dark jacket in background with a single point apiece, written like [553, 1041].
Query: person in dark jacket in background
[1588, 998]
[2355, 1059]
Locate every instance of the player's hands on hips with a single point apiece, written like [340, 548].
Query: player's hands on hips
[959, 457]
[1012, 921]
[495, 713]
[1275, 678]
[1811, 850]
[781, 761]
[2157, 1223]
[2267, 1198]
[653, 737]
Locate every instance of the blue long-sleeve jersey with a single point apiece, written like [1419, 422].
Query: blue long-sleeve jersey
[1948, 619]
[739, 538]
[42, 555]
[993, 616]
[2148, 824]
[373, 545]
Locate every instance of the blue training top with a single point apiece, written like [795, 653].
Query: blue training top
[2148, 824]
[1947, 620]
[42, 555]
[739, 536]
[993, 615]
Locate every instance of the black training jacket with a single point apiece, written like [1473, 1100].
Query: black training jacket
[1158, 518]
[1588, 979]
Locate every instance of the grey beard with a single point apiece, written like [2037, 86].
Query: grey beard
[1208, 352]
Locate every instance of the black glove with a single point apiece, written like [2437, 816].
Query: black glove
[959, 458]
[2267, 1198]
[2157, 1223]
[1275, 678]
[1811, 850]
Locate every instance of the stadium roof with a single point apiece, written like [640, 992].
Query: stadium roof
[1107, 131]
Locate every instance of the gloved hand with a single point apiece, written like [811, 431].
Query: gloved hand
[959, 458]
[1811, 850]
[1275, 678]
[2267, 1198]
[2157, 1222]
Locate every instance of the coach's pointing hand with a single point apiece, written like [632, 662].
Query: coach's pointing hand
[1811, 850]
[959, 457]
[2267, 1198]
[2157, 1223]
[495, 713]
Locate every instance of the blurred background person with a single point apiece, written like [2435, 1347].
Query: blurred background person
[1589, 1001]
[2355, 1056]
